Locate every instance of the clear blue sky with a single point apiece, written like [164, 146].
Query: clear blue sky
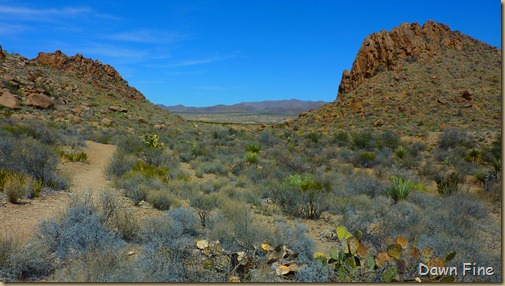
[201, 53]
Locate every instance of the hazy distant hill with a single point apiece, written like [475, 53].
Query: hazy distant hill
[263, 111]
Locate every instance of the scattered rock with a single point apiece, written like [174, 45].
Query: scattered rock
[441, 101]
[2, 55]
[118, 109]
[158, 126]
[303, 114]
[8, 100]
[106, 122]
[458, 99]
[143, 120]
[467, 95]
[468, 105]
[378, 123]
[39, 100]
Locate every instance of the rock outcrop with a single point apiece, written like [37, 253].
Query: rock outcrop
[7, 99]
[1, 53]
[39, 100]
[411, 42]
[87, 68]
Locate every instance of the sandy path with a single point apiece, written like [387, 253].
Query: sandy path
[22, 219]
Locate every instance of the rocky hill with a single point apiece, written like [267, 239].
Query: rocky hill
[417, 78]
[75, 89]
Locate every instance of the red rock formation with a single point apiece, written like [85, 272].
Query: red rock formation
[411, 42]
[87, 68]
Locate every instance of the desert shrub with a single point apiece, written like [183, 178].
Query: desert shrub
[75, 157]
[28, 156]
[120, 163]
[341, 138]
[268, 138]
[295, 237]
[364, 159]
[24, 262]
[152, 141]
[235, 227]
[301, 196]
[150, 171]
[215, 167]
[474, 156]
[251, 158]
[185, 219]
[399, 189]
[253, 147]
[161, 199]
[388, 139]
[204, 204]
[363, 184]
[415, 148]
[314, 137]
[80, 229]
[362, 140]
[98, 265]
[401, 151]
[448, 185]
[451, 138]
[16, 187]
[314, 273]
[131, 144]
[118, 218]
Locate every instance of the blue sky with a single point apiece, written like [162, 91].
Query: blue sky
[201, 53]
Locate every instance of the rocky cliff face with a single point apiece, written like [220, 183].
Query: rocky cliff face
[383, 50]
[417, 78]
[86, 68]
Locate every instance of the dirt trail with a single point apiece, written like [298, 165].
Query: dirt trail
[22, 219]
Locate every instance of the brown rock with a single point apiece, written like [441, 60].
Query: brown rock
[1, 53]
[408, 42]
[468, 105]
[357, 107]
[7, 99]
[378, 123]
[118, 109]
[107, 122]
[143, 120]
[77, 119]
[289, 121]
[441, 101]
[157, 126]
[467, 95]
[39, 100]
[303, 114]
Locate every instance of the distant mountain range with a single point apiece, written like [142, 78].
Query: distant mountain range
[291, 107]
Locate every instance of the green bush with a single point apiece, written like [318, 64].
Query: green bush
[251, 158]
[120, 163]
[253, 147]
[362, 140]
[400, 189]
[161, 199]
[314, 137]
[302, 196]
[341, 138]
[365, 159]
[449, 185]
[401, 151]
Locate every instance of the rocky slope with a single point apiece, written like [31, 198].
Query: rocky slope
[73, 89]
[416, 78]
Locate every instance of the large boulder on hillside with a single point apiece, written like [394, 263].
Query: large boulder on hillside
[39, 100]
[117, 109]
[7, 99]
[1, 53]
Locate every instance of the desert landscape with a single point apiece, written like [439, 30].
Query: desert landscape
[402, 169]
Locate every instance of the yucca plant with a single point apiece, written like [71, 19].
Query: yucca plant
[400, 189]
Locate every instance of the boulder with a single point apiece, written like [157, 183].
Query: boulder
[143, 120]
[106, 122]
[467, 95]
[2, 55]
[117, 109]
[39, 100]
[7, 99]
